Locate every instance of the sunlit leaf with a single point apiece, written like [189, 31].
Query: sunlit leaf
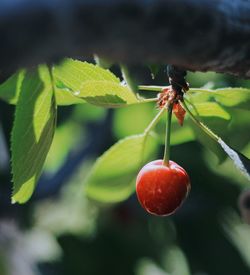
[73, 73]
[9, 90]
[199, 96]
[106, 94]
[233, 96]
[92, 83]
[62, 144]
[230, 97]
[112, 178]
[210, 109]
[102, 62]
[65, 97]
[33, 131]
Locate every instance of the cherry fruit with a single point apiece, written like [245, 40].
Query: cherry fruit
[162, 189]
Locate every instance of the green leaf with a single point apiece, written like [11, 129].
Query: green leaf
[229, 97]
[236, 102]
[112, 178]
[106, 94]
[102, 62]
[93, 84]
[241, 162]
[181, 134]
[64, 95]
[135, 118]
[62, 145]
[77, 82]
[73, 73]
[210, 109]
[9, 90]
[129, 79]
[33, 131]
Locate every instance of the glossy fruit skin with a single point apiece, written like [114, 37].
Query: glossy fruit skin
[162, 189]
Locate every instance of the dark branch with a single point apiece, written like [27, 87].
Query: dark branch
[198, 35]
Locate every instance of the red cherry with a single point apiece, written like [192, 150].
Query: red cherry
[162, 189]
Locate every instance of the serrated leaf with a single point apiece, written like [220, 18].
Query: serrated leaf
[65, 97]
[210, 109]
[75, 81]
[9, 90]
[102, 62]
[112, 178]
[106, 94]
[73, 73]
[33, 131]
[93, 84]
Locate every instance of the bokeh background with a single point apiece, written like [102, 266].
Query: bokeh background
[61, 232]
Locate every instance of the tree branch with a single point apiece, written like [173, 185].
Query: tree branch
[197, 35]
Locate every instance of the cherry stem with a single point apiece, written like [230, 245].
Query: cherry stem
[154, 88]
[166, 157]
[151, 88]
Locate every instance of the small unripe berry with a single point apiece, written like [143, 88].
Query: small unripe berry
[162, 189]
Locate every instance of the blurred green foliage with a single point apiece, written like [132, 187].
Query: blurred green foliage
[83, 236]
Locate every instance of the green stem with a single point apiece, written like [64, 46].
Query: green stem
[151, 88]
[154, 121]
[199, 124]
[166, 157]
[154, 88]
[146, 100]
